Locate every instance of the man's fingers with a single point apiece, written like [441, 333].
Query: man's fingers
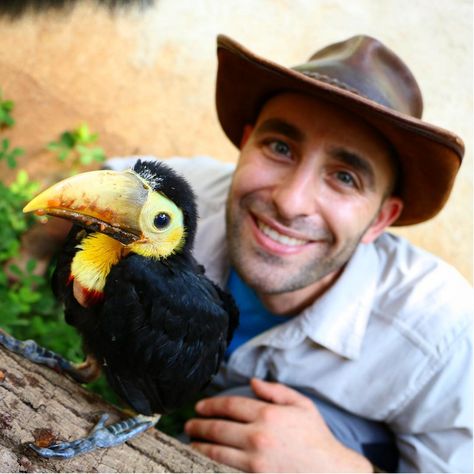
[279, 394]
[223, 432]
[225, 455]
[235, 407]
[245, 409]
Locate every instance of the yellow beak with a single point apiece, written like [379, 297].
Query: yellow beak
[104, 201]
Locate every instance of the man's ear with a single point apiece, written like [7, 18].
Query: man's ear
[388, 213]
[246, 135]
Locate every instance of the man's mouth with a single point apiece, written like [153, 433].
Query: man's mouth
[278, 237]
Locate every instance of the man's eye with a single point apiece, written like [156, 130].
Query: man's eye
[280, 148]
[345, 178]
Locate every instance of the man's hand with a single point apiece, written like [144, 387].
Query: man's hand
[281, 432]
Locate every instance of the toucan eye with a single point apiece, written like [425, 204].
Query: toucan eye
[162, 220]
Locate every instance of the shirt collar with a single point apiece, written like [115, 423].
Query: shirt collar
[338, 319]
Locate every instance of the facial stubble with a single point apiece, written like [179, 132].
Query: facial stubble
[273, 274]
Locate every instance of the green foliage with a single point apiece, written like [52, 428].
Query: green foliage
[9, 155]
[6, 120]
[6, 108]
[13, 223]
[28, 309]
[75, 146]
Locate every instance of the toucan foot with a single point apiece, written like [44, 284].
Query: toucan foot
[101, 436]
[32, 351]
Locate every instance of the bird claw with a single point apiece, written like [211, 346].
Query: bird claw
[32, 351]
[101, 436]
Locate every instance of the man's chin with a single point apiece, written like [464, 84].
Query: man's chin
[268, 278]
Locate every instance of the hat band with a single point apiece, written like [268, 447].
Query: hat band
[332, 81]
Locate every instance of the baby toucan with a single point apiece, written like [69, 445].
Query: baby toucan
[154, 323]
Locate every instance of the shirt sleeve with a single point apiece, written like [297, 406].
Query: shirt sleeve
[437, 422]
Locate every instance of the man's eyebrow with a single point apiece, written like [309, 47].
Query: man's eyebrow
[356, 162]
[281, 126]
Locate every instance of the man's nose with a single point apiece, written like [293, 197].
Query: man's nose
[295, 195]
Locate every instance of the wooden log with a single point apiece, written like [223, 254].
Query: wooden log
[39, 405]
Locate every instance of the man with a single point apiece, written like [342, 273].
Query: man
[345, 330]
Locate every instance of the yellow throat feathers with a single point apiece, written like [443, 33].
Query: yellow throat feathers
[92, 263]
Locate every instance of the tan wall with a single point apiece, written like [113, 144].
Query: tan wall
[145, 80]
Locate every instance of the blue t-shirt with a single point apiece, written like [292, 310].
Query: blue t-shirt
[254, 317]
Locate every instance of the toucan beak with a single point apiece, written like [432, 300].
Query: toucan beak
[104, 201]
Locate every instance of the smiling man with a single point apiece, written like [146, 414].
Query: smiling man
[354, 349]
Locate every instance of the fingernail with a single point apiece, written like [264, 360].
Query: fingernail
[200, 405]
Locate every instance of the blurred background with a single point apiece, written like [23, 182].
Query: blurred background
[142, 76]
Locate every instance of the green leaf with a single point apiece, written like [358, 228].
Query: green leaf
[53, 146]
[13, 155]
[31, 265]
[6, 119]
[6, 107]
[88, 155]
[28, 296]
[5, 144]
[68, 139]
[16, 270]
[63, 155]
[86, 159]
[98, 154]
[83, 134]
[22, 177]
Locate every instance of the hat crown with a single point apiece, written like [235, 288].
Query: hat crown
[365, 66]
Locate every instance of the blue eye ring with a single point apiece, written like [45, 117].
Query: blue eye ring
[162, 220]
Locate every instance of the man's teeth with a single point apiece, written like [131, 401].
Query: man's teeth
[280, 238]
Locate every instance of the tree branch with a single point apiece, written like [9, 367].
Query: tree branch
[38, 405]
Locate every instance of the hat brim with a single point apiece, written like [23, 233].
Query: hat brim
[429, 156]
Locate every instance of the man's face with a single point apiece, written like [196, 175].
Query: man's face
[309, 186]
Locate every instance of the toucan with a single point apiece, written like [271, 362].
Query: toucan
[150, 319]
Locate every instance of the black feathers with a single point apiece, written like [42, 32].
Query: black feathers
[173, 336]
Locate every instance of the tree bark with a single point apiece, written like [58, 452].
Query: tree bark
[38, 405]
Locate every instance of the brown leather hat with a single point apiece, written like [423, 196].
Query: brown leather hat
[365, 77]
